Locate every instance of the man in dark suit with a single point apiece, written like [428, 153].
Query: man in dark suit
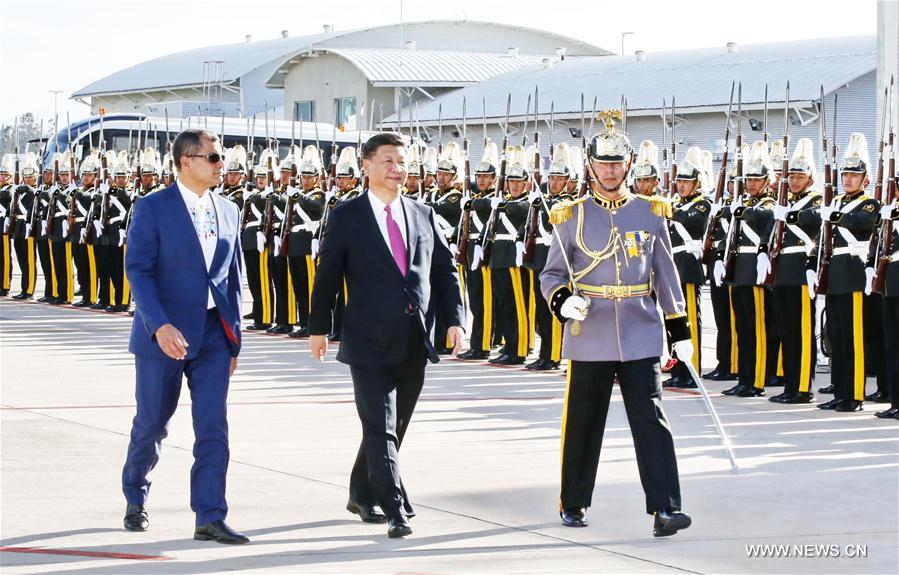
[400, 275]
[184, 265]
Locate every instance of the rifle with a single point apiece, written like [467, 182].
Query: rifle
[465, 222]
[439, 128]
[287, 224]
[715, 221]
[585, 179]
[666, 183]
[332, 163]
[489, 233]
[765, 117]
[51, 206]
[783, 188]
[533, 219]
[825, 248]
[886, 228]
[672, 191]
[14, 203]
[733, 236]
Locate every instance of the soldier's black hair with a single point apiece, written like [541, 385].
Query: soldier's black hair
[189, 142]
[383, 139]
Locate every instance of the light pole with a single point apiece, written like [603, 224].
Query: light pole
[623, 34]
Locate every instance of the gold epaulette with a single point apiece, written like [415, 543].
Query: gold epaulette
[562, 211]
[660, 206]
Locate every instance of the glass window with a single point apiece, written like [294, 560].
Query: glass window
[346, 113]
[304, 110]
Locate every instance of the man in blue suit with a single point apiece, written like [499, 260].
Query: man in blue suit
[184, 266]
[399, 275]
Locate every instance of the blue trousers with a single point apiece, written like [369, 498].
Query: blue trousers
[157, 391]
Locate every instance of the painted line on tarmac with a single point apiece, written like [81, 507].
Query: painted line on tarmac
[85, 553]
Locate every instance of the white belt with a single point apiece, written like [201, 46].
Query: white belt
[748, 250]
[508, 237]
[857, 249]
[692, 246]
[895, 256]
[474, 236]
[310, 227]
[544, 241]
[794, 250]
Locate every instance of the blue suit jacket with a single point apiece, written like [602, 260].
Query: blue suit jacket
[165, 266]
[375, 330]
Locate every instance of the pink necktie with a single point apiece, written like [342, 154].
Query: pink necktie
[397, 245]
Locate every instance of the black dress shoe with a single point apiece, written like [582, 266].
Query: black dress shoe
[334, 338]
[779, 398]
[20, 296]
[474, 354]
[82, 303]
[751, 392]
[799, 397]
[670, 522]
[508, 360]
[891, 413]
[672, 382]
[443, 350]
[398, 527]
[574, 517]
[735, 389]
[536, 364]
[849, 405]
[549, 365]
[300, 333]
[878, 397]
[99, 305]
[280, 330]
[828, 389]
[832, 404]
[220, 532]
[258, 326]
[248, 316]
[136, 518]
[714, 374]
[686, 383]
[44, 299]
[366, 512]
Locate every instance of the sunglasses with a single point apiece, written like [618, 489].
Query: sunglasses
[212, 158]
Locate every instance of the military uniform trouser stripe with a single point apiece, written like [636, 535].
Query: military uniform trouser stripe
[479, 286]
[547, 326]
[46, 262]
[796, 327]
[61, 253]
[92, 274]
[734, 344]
[24, 248]
[753, 321]
[278, 268]
[6, 254]
[126, 286]
[845, 329]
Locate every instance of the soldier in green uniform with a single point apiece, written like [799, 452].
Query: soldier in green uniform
[646, 169]
[112, 239]
[6, 192]
[58, 232]
[285, 305]
[253, 244]
[234, 188]
[19, 210]
[38, 219]
[82, 250]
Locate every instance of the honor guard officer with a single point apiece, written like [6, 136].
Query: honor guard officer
[688, 223]
[646, 169]
[794, 306]
[58, 232]
[347, 172]
[478, 278]
[20, 208]
[308, 209]
[285, 305]
[510, 280]
[113, 239]
[854, 217]
[6, 193]
[83, 251]
[612, 253]
[413, 175]
[778, 153]
[38, 220]
[447, 204]
[235, 166]
[430, 159]
[168, 174]
[548, 326]
[753, 305]
[890, 215]
[253, 245]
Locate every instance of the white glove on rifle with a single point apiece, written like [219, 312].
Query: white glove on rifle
[277, 239]
[886, 211]
[98, 227]
[684, 350]
[811, 280]
[495, 202]
[328, 195]
[826, 211]
[519, 254]
[121, 238]
[762, 267]
[716, 209]
[82, 237]
[869, 280]
[718, 273]
[65, 228]
[314, 248]
[575, 307]
[534, 195]
[43, 227]
[27, 230]
[104, 187]
[454, 249]
[780, 212]
[260, 242]
[478, 256]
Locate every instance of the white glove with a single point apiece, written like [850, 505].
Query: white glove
[826, 211]
[575, 307]
[314, 248]
[5, 223]
[329, 194]
[811, 280]
[780, 212]
[83, 235]
[260, 242]
[27, 230]
[292, 191]
[277, 244]
[684, 350]
[762, 267]
[495, 202]
[65, 228]
[104, 187]
[478, 256]
[98, 227]
[268, 190]
[886, 211]
[121, 237]
[869, 280]
[716, 209]
[718, 273]
[534, 195]
[519, 254]
[43, 227]
[454, 249]
[71, 187]
[738, 202]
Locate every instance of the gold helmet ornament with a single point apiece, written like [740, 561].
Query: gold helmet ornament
[149, 162]
[29, 165]
[612, 145]
[122, 164]
[451, 160]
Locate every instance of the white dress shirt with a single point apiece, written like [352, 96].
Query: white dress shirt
[396, 209]
[202, 213]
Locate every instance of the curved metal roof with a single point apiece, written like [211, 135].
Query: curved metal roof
[698, 78]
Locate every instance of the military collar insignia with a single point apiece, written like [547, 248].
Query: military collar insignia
[608, 204]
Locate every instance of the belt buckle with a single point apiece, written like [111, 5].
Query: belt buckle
[618, 292]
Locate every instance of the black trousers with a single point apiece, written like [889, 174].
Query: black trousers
[875, 366]
[754, 322]
[480, 301]
[85, 269]
[25, 254]
[845, 328]
[339, 306]
[277, 266]
[511, 303]
[302, 277]
[584, 420]
[795, 312]
[385, 400]
[62, 265]
[891, 346]
[691, 298]
[260, 285]
[725, 342]
[43, 253]
[111, 271]
[547, 325]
